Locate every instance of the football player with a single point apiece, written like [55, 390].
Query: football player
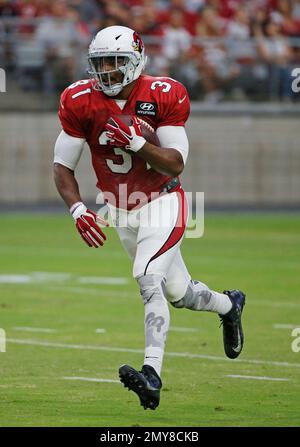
[128, 168]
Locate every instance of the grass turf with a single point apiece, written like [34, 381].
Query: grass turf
[256, 253]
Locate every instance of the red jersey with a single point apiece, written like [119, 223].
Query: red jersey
[83, 113]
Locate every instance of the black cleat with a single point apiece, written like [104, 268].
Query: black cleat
[233, 336]
[145, 383]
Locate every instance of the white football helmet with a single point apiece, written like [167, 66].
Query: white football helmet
[115, 50]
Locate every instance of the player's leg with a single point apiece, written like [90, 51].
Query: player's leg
[132, 379]
[182, 292]
[127, 233]
[157, 243]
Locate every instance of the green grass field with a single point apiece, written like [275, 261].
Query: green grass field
[256, 253]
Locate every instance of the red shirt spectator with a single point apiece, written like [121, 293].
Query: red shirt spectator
[189, 18]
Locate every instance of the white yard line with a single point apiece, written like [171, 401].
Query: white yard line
[285, 326]
[91, 379]
[58, 278]
[93, 292]
[283, 304]
[274, 379]
[15, 279]
[33, 329]
[34, 278]
[50, 276]
[72, 346]
[53, 277]
[100, 331]
[102, 280]
[141, 351]
[183, 329]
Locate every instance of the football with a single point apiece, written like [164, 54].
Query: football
[147, 130]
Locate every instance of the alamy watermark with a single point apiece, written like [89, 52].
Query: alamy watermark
[185, 211]
[296, 342]
[2, 80]
[296, 81]
[2, 340]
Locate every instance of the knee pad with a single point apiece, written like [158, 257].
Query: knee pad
[152, 287]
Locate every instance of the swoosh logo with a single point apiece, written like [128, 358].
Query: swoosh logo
[181, 100]
[239, 345]
[147, 301]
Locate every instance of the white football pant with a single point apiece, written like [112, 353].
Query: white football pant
[152, 235]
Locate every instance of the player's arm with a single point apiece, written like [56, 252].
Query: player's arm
[167, 159]
[173, 110]
[66, 184]
[170, 158]
[67, 153]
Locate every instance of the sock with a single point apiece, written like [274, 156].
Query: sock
[154, 358]
[199, 297]
[157, 319]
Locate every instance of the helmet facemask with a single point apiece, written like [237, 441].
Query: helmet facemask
[112, 71]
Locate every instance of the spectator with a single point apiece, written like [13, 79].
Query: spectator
[72, 15]
[195, 5]
[275, 51]
[215, 68]
[177, 39]
[60, 39]
[225, 8]
[189, 19]
[89, 10]
[2, 41]
[118, 11]
[210, 24]
[50, 36]
[296, 10]
[34, 8]
[150, 12]
[239, 26]
[259, 20]
[29, 10]
[144, 21]
[238, 33]
[8, 8]
[289, 26]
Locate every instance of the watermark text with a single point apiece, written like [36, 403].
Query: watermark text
[2, 80]
[2, 340]
[296, 342]
[296, 81]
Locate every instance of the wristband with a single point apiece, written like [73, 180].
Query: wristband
[77, 209]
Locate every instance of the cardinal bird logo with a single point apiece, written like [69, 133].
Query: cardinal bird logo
[137, 43]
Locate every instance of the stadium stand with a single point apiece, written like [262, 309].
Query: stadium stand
[220, 49]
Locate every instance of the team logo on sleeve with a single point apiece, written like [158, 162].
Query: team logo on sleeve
[146, 108]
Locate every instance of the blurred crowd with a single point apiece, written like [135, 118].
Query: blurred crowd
[220, 49]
